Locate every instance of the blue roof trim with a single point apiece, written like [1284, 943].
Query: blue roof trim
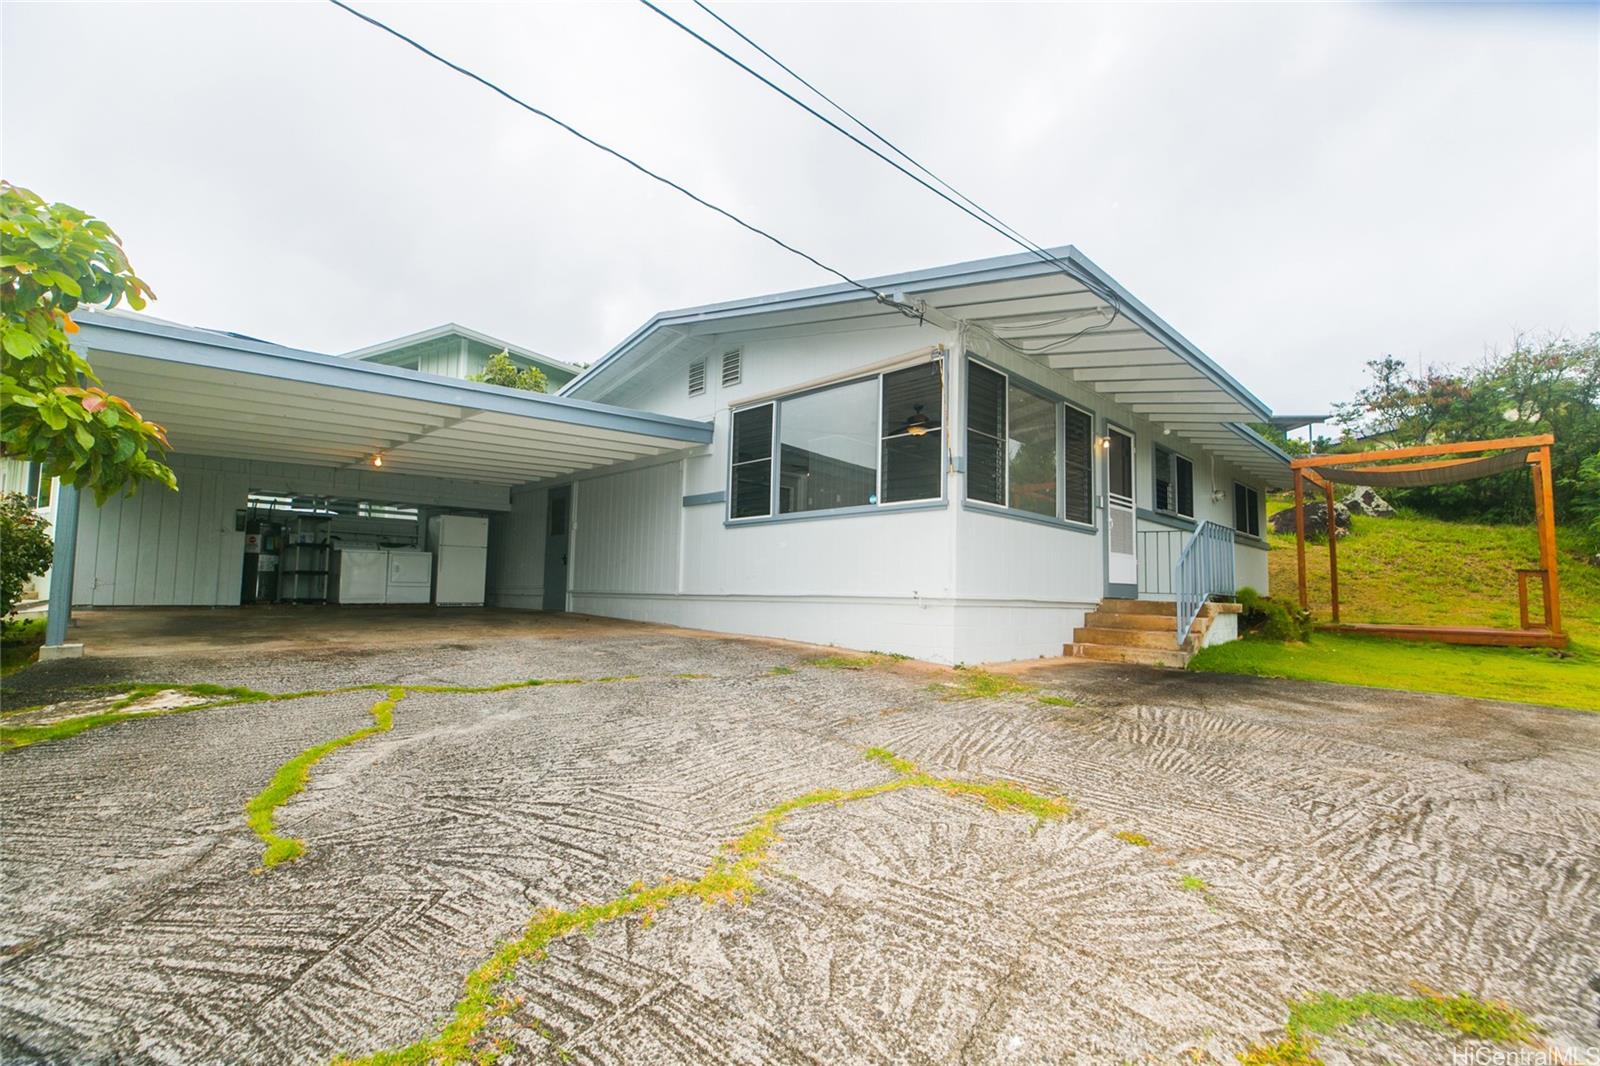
[126, 334]
[954, 275]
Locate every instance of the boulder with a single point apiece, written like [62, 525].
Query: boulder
[1363, 500]
[1316, 520]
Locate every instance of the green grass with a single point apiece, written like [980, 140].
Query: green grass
[19, 643]
[1191, 883]
[730, 877]
[1325, 1014]
[1057, 701]
[1138, 840]
[981, 685]
[1416, 570]
[291, 779]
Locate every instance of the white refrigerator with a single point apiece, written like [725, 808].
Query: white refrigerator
[460, 546]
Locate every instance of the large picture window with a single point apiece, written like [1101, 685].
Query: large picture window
[1174, 478]
[1246, 510]
[857, 444]
[829, 449]
[1026, 451]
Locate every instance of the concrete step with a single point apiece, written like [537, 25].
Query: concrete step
[1101, 619]
[1128, 638]
[1166, 607]
[1144, 656]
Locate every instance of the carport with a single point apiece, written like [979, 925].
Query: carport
[243, 409]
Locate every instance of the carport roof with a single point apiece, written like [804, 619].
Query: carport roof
[223, 394]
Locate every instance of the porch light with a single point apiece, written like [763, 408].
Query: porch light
[377, 460]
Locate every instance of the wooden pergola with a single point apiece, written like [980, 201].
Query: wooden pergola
[1461, 461]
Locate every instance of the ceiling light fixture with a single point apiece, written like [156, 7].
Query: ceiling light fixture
[377, 460]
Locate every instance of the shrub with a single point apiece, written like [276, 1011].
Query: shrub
[1272, 619]
[25, 548]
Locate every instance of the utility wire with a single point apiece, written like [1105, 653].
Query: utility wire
[640, 167]
[975, 211]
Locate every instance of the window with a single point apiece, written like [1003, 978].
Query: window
[829, 450]
[752, 462]
[1174, 477]
[732, 367]
[986, 432]
[1077, 497]
[1032, 445]
[857, 444]
[1026, 451]
[913, 433]
[697, 377]
[1246, 510]
[557, 518]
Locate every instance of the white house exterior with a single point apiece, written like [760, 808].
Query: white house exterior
[916, 545]
[957, 473]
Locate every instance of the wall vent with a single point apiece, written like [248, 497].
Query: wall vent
[732, 365]
[697, 377]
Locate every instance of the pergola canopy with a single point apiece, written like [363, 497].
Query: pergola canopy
[1421, 475]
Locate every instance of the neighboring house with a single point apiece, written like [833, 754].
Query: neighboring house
[454, 351]
[963, 478]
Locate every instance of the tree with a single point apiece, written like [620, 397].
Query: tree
[500, 370]
[1549, 384]
[54, 259]
[27, 548]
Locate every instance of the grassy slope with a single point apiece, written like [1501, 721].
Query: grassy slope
[1421, 570]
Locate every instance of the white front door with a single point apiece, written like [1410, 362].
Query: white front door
[1122, 562]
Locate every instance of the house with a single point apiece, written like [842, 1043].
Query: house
[454, 351]
[962, 470]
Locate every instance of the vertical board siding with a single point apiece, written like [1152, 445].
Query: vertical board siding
[163, 548]
[627, 531]
[516, 552]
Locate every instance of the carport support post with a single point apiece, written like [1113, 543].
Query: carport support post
[61, 567]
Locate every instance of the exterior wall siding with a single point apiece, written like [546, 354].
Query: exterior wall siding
[161, 548]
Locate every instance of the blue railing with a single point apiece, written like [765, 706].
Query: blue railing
[1204, 569]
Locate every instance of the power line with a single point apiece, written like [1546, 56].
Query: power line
[976, 212]
[640, 167]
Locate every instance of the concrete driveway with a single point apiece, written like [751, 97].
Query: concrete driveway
[1302, 839]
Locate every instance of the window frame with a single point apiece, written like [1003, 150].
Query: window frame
[775, 458]
[1253, 514]
[734, 462]
[1061, 403]
[1173, 455]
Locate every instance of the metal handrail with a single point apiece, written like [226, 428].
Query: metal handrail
[1204, 569]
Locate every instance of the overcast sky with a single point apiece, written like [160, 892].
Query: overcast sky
[1297, 189]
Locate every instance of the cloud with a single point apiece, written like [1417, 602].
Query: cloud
[1296, 188]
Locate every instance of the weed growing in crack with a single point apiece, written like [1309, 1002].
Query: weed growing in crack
[1326, 1013]
[731, 877]
[1057, 701]
[291, 778]
[1191, 883]
[782, 671]
[1139, 840]
[980, 685]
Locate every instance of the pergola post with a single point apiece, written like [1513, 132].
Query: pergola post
[1300, 534]
[1545, 496]
[1333, 552]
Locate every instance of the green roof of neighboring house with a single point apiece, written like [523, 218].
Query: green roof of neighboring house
[455, 351]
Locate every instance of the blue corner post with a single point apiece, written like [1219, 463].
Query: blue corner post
[61, 567]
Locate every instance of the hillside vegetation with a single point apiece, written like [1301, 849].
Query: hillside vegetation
[1418, 570]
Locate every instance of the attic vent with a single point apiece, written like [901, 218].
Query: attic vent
[732, 364]
[697, 377]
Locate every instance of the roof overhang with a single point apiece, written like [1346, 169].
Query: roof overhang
[1055, 313]
[222, 395]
